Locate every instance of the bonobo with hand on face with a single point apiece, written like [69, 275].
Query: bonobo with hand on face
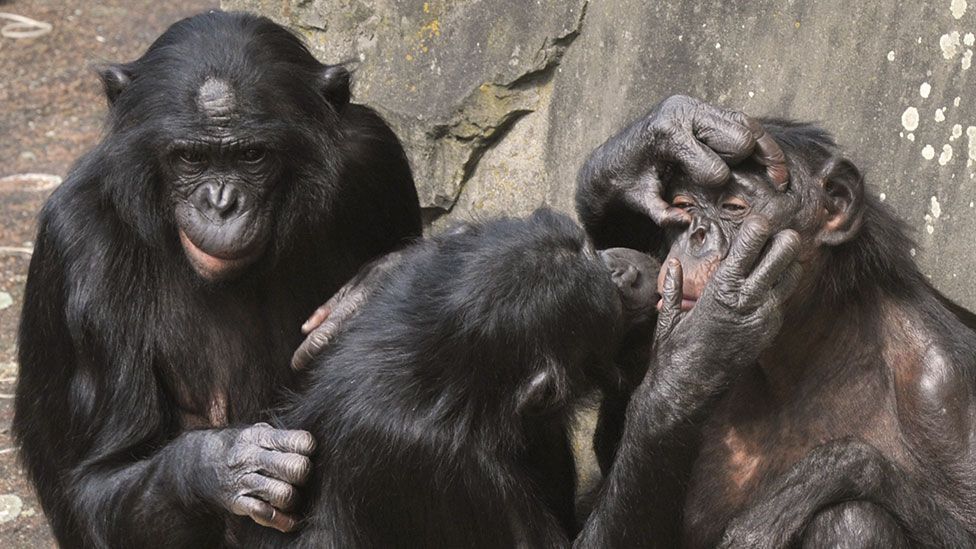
[851, 426]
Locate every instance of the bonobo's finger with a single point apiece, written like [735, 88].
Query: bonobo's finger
[310, 348]
[317, 318]
[787, 284]
[671, 294]
[703, 165]
[650, 201]
[263, 513]
[745, 250]
[770, 154]
[279, 494]
[342, 307]
[291, 468]
[727, 133]
[287, 440]
[781, 253]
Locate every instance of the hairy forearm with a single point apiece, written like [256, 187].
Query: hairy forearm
[640, 502]
[618, 158]
[154, 502]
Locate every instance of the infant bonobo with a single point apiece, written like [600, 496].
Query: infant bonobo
[442, 409]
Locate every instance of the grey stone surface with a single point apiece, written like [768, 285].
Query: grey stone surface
[499, 101]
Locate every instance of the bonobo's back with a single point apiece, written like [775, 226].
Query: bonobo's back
[431, 408]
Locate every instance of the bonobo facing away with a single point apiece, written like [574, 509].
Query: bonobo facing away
[856, 427]
[441, 410]
[236, 188]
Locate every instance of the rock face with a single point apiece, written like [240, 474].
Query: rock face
[499, 101]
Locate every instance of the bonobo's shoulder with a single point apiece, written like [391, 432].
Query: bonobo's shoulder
[933, 362]
[76, 200]
[364, 129]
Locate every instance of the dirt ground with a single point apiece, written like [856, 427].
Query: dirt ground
[51, 111]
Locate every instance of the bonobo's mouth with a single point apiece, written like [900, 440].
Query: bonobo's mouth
[687, 302]
[212, 267]
[695, 276]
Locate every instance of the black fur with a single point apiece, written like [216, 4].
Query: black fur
[120, 340]
[441, 412]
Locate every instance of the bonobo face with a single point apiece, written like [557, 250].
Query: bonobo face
[222, 181]
[635, 275]
[237, 141]
[716, 215]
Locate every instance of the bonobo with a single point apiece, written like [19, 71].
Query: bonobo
[236, 188]
[441, 410]
[871, 363]
[854, 426]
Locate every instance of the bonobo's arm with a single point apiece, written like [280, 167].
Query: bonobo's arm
[176, 497]
[695, 357]
[619, 188]
[836, 472]
[95, 433]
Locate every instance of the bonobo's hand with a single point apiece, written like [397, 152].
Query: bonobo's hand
[325, 323]
[254, 471]
[741, 309]
[697, 138]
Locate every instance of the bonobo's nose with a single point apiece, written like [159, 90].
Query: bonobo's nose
[624, 275]
[217, 200]
[624, 266]
[704, 238]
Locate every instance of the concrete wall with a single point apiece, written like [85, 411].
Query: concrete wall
[499, 101]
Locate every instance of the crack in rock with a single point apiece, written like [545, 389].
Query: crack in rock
[484, 117]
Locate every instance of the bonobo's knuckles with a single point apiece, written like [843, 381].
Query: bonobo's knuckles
[258, 470]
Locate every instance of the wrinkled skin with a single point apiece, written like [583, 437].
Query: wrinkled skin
[626, 174]
[696, 355]
[861, 313]
[257, 471]
[747, 459]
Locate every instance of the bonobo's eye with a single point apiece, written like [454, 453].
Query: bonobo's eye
[734, 206]
[191, 156]
[683, 202]
[253, 155]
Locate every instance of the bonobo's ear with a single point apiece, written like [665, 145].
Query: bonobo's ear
[546, 388]
[335, 85]
[115, 79]
[843, 188]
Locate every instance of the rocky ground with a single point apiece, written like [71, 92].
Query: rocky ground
[51, 110]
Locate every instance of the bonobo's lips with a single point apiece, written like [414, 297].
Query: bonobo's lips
[687, 302]
[212, 267]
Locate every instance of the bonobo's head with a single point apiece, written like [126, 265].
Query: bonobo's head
[223, 138]
[824, 203]
[534, 298]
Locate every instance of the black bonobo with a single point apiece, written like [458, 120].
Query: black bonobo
[852, 425]
[441, 410]
[236, 188]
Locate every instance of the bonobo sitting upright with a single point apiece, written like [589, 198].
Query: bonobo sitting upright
[236, 188]
[856, 427]
[441, 411]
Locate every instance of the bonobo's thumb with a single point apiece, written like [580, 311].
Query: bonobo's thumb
[670, 298]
